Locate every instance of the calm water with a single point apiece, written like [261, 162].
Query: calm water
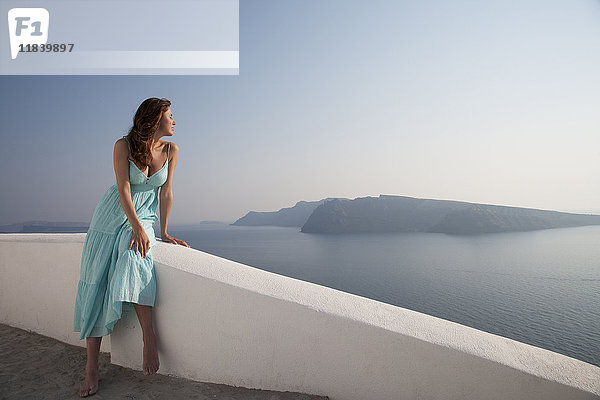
[541, 287]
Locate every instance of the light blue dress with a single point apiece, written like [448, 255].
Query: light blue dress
[111, 275]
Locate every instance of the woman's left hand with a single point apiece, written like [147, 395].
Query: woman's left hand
[171, 239]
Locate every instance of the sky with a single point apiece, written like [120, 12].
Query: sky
[494, 102]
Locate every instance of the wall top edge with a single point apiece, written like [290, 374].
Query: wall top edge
[43, 237]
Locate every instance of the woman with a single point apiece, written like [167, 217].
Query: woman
[117, 269]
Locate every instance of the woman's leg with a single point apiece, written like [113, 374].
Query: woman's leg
[150, 363]
[90, 384]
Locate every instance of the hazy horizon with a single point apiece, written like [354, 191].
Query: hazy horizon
[595, 212]
[492, 102]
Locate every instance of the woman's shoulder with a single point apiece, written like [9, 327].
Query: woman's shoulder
[170, 147]
[122, 146]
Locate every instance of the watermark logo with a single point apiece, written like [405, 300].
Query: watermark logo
[27, 26]
[76, 48]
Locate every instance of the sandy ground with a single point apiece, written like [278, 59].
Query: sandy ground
[33, 366]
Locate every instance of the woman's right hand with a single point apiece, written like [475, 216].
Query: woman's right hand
[140, 242]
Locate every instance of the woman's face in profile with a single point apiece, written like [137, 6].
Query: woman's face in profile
[167, 122]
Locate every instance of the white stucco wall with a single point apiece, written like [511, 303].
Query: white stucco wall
[38, 283]
[224, 322]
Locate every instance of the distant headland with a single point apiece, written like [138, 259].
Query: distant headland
[290, 216]
[45, 227]
[408, 214]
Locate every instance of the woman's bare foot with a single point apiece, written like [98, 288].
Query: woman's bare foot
[150, 363]
[90, 385]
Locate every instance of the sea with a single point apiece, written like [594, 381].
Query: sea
[538, 287]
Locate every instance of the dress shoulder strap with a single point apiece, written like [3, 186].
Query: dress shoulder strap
[168, 148]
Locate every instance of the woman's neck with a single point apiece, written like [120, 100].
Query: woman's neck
[155, 143]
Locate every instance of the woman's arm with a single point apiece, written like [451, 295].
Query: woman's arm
[139, 239]
[166, 198]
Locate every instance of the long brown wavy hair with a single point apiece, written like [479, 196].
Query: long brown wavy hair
[145, 124]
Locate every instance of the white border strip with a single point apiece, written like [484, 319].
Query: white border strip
[154, 59]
